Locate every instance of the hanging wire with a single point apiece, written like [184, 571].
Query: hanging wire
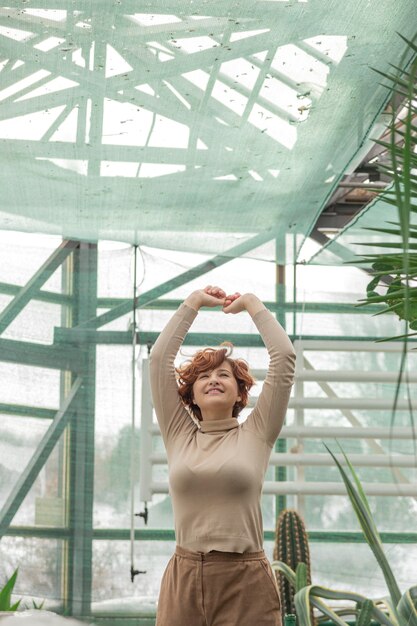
[133, 414]
[134, 327]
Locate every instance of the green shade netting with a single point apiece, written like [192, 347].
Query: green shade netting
[148, 122]
[356, 239]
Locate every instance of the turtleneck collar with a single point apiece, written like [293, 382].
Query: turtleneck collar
[218, 426]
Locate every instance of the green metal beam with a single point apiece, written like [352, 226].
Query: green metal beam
[172, 305]
[38, 355]
[165, 534]
[94, 337]
[65, 336]
[275, 307]
[27, 411]
[10, 289]
[38, 459]
[182, 279]
[32, 287]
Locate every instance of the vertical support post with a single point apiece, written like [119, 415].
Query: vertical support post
[145, 479]
[281, 444]
[81, 457]
[299, 422]
[67, 287]
[298, 386]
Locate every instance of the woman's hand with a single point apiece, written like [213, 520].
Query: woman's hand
[236, 303]
[210, 296]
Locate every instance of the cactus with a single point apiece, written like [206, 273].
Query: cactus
[291, 547]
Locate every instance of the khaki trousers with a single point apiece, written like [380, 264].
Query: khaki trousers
[218, 589]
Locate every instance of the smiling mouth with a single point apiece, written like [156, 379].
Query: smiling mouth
[214, 391]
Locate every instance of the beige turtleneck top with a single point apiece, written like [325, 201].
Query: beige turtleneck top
[217, 468]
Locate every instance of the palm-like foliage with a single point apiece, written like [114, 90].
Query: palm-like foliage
[399, 262]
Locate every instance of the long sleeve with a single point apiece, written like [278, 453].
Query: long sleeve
[172, 417]
[268, 415]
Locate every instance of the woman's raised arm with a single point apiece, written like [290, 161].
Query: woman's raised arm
[267, 417]
[172, 417]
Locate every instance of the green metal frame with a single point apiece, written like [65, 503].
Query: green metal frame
[81, 453]
[26, 293]
[178, 281]
[280, 294]
[39, 458]
[171, 305]
[74, 353]
[163, 534]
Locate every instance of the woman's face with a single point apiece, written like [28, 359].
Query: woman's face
[216, 392]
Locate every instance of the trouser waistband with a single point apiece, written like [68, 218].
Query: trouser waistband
[219, 556]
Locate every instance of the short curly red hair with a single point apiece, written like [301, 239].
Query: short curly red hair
[206, 360]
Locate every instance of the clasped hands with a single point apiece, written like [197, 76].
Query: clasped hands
[212, 296]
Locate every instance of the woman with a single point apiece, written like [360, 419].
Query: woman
[219, 575]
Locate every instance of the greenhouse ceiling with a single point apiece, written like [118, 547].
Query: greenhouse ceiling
[187, 125]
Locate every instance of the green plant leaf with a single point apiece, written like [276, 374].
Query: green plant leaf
[387, 244]
[15, 606]
[6, 593]
[395, 338]
[371, 286]
[361, 508]
[329, 612]
[399, 293]
[289, 574]
[388, 608]
[300, 576]
[400, 270]
[407, 606]
[409, 42]
[393, 307]
[358, 487]
[303, 598]
[313, 594]
[386, 231]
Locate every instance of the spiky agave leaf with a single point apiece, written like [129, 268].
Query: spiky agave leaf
[387, 607]
[301, 576]
[361, 507]
[407, 606]
[316, 592]
[289, 574]
[312, 594]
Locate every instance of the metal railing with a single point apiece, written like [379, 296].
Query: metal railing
[298, 432]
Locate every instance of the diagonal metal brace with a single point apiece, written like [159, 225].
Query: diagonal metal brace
[39, 458]
[31, 288]
[183, 278]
